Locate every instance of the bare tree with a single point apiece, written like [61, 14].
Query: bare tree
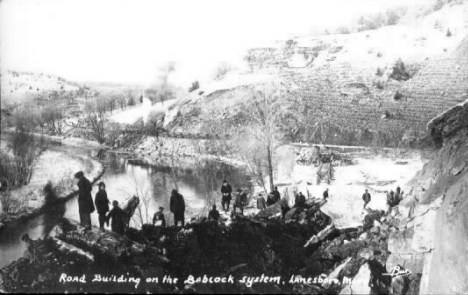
[96, 118]
[130, 96]
[53, 116]
[263, 111]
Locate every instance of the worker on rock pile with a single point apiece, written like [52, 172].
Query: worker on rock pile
[240, 202]
[226, 191]
[276, 195]
[159, 219]
[213, 215]
[118, 218]
[85, 200]
[102, 204]
[300, 200]
[284, 207]
[366, 197]
[261, 205]
[177, 206]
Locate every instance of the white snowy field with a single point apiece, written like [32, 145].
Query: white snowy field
[377, 174]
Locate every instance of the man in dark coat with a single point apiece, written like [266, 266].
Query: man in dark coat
[284, 207]
[159, 217]
[118, 218]
[270, 200]
[226, 191]
[240, 202]
[276, 195]
[261, 205]
[102, 204]
[85, 201]
[325, 195]
[300, 200]
[213, 214]
[366, 197]
[177, 206]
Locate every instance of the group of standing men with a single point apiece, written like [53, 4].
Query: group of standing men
[240, 198]
[101, 203]
[120, 220]
[393, 198]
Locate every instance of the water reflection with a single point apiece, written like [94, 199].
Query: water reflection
[11, 245]
[199, 181]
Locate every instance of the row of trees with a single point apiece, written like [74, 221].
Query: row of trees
[373, 21]
[29, 117]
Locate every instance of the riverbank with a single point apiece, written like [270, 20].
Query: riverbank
[57, 168]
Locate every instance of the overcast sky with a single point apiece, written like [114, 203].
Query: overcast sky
[125, 40]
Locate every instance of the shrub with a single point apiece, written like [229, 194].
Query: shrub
[17, 170]
[397, 95]
[9, 203]
[379, 72]
[343, 30]
[114, 130]
[399, 72]
[379, 85]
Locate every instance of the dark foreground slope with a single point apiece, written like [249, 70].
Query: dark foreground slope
[304, 254]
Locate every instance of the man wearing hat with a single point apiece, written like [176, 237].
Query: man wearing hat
[325, 195]
[241, 200]
[226, 191]
[85, 201]
[366, 197]
[102, 204]
[177, 207]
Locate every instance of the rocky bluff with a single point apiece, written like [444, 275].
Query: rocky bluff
[348, 90]
[433, 235]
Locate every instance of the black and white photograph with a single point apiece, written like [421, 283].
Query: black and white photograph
[234, 147]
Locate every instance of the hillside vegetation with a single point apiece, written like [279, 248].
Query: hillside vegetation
[376, 87]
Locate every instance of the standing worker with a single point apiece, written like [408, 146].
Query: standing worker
[226, 191]
[213, 214]
[276, 195]
[284, 207]
[177, 206]
[102, 204]
[261, 205]
[158, 218]
[300, 200]
[325, 194]
[85, 201]
[366, 197]
[118, 218]
[241, 200]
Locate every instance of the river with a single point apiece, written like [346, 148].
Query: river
[197, 180]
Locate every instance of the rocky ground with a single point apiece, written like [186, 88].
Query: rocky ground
[304, 247]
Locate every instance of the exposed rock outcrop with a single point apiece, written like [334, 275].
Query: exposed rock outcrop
[433, 237]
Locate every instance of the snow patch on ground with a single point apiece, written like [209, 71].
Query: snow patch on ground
[59, 168]
[345, 203]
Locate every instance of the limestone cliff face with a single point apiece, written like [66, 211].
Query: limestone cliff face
[357, 89]
[433, 236]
